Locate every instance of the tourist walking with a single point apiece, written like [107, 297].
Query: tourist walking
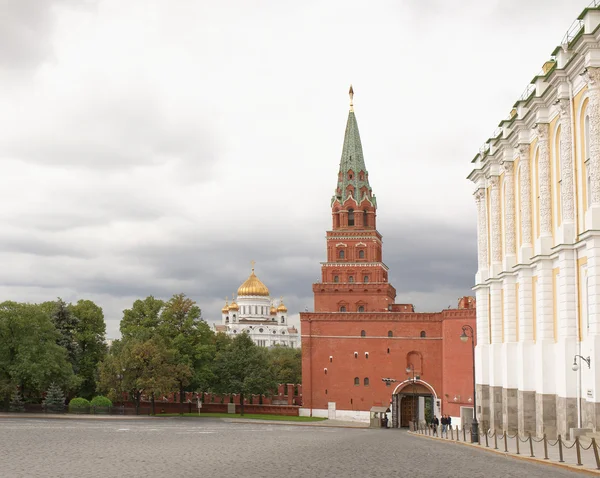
[444, 426]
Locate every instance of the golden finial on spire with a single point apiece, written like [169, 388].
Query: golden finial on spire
[252, 263]
[351, 93]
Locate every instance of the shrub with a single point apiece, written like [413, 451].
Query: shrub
[78, 403]
[100, 401]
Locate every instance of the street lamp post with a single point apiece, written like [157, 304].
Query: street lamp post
[475, 425]
[411, 369]
[576, 368]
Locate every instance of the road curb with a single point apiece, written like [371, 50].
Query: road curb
[542, 461]
[252, 421]
[74, 417]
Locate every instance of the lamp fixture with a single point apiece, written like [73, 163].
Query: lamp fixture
[575, 365]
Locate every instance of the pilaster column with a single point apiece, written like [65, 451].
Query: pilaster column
[544, 181]
[525, 203]
[545, 189]
[509, 214]
[544, 301]
[509, 309]
[496, 311]
[496, 227]
[566, 161]
[593, 79]
[482, 236]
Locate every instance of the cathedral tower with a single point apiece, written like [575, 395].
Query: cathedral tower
[354, 278]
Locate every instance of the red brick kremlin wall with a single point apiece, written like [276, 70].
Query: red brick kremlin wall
[334, 353]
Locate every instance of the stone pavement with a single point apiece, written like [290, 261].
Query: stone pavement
[536, 447]
[188, 447]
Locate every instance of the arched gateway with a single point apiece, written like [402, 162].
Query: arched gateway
[410, 400]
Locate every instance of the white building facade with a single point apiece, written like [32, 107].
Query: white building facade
[537, 191]
[254, 313]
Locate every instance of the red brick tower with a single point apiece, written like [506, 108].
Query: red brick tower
[354, 278]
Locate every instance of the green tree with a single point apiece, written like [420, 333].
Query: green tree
[142, 318]
[244, 368]
[16, 402]
[65, 323]
[30, 358]
[138, 366]
[55, 399]
[192, 342]
[89, 336]
[287, 364]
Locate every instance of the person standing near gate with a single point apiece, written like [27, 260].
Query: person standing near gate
[435, 423]
[444, 426]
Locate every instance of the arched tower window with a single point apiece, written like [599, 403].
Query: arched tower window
[363, 333]
[390, 333]
[336, 278]
[361, 309]
[343, 308]
[351, 217]
[342, 254]
[356, 381]
[366, 279]
[423, 334]
[365, 218]
[366, 381]
[361, 254]
[350, 278]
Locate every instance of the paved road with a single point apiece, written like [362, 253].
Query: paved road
[181, 447]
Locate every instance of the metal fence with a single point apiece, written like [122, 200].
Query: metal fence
[560, 450]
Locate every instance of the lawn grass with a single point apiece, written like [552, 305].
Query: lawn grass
[254, 416]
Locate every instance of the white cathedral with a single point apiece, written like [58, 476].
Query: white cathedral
[254, 313]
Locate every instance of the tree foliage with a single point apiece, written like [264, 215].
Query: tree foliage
[30, 357]
[55, 399]
[88, 335]
[287, 364]
[244, 368]
[138, 366]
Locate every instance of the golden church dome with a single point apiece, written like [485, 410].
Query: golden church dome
[273, 310]
[233, 305]
[253, 286]
[282, 307]
[225, 309]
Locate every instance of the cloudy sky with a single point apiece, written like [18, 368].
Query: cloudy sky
[156, 146]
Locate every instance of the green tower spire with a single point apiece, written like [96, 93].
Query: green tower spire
[353, 175]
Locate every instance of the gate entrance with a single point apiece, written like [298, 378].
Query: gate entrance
[411, 402]
[408, 410]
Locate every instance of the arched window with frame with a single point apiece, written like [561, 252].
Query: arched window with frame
[351, 217]
[350, 278]
[356, 381]
[336, 278]
[423, 334]
[361, 308]
[361, 254]
[363, 333]
[390, 333]
[366, 279]
[366, 381]
[342, 254]
[343, 308]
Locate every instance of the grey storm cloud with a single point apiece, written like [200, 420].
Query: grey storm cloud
[156, 147]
